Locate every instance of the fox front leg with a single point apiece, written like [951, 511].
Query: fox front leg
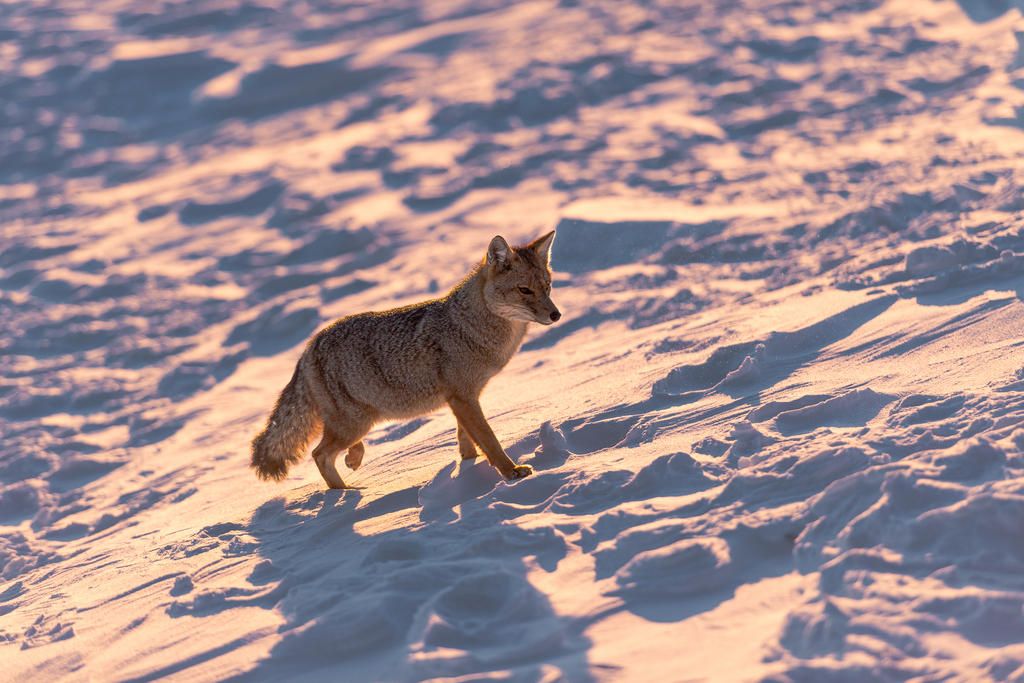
[467, 447]
[471, 416]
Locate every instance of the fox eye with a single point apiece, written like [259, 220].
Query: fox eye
[526, 290]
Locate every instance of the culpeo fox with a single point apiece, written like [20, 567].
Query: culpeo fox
[405, 362]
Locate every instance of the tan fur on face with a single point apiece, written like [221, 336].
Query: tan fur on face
[524, 267]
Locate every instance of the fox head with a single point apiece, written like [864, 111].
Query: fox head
[518, 281]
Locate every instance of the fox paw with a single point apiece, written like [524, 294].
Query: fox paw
[354, 458]
[521, 471]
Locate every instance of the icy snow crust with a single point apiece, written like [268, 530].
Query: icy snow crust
[778, 434]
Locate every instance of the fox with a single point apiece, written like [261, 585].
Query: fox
[398, 364]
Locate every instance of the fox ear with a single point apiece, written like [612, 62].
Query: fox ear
[499, 254]
[542, 246]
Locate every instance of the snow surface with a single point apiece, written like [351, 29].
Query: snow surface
[778, 434]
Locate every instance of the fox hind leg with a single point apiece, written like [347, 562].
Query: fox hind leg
[324, 456]
[326, 453]
[345, 421]
[354, 457]
[467, 447]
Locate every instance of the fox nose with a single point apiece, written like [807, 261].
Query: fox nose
[555, 316]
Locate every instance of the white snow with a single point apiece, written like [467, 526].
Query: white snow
[777, 435]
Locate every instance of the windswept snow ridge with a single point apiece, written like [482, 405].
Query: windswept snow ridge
[777, 436]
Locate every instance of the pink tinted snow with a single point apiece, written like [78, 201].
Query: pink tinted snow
[775, 437]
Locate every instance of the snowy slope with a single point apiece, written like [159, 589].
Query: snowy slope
[778, 434]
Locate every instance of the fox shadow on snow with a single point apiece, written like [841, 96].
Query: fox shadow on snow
[444, 597]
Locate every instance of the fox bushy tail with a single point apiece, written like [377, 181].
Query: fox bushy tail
[293, 422]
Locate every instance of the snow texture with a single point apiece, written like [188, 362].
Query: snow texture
[777, 435]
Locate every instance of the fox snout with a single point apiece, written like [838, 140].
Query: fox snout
[552, 317]
[544, 311]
